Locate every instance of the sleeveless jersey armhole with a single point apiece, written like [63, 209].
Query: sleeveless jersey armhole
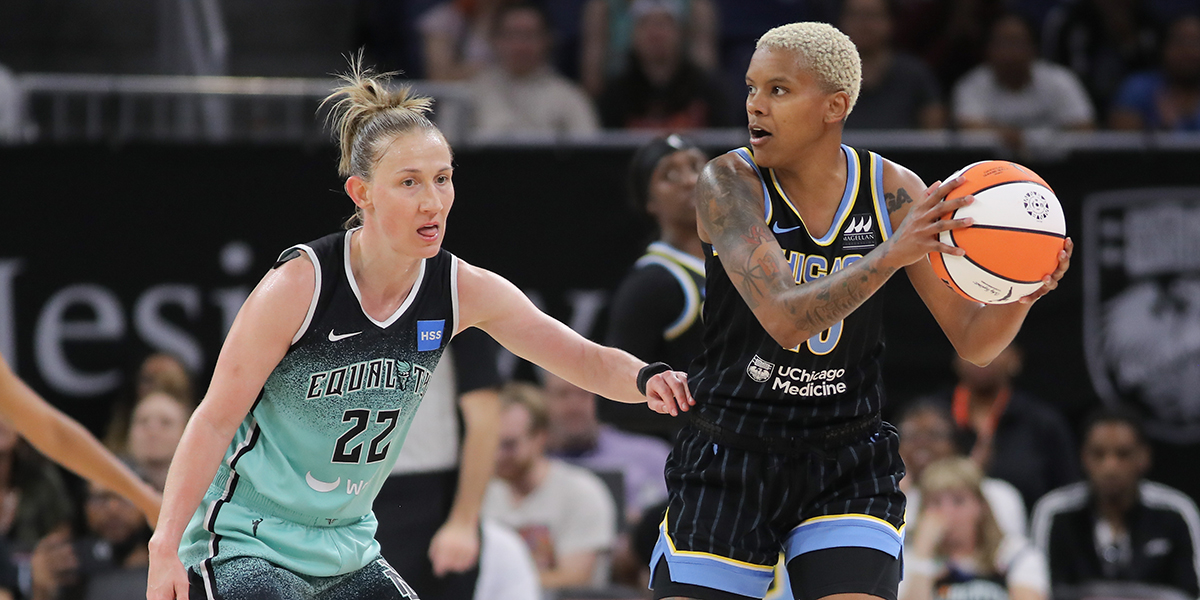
[749, 158]
[290, 254]
[881, 210]
[691, 295]
[453, 295]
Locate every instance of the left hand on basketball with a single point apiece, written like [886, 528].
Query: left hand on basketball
[1050, 281]
[454, 549]
[667, 393]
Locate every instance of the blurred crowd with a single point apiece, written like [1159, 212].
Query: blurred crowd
[1016, 67]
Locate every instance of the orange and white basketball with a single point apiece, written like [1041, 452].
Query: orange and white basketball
[1018, 232]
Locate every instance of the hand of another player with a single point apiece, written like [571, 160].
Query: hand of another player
[1050, 281]
[167, 579]
[454, 549]
[667, 393]
[917, 234]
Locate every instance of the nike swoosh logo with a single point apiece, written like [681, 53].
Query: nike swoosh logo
[319, 485]
[776, 229]
[333, 337]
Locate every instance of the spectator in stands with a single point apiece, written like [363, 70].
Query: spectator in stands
[1009, 433]
[564, 512]
[521, 93]
[454, 37]
[1013, 91]
[655, 312]
[949, 35]
[33, 497]
[110, 562]
[576, 436]
[660, 87]
[1102, 41]
[958, 551]
[154, 433]
[1167, 99]
[607, 35]
[898, 90]
[1116, 526]
[927, 436]
[10, 107]
[158, 372]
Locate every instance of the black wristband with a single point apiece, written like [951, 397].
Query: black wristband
[649, 371]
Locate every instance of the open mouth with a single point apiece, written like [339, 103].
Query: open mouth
[429, 231]
[758, 133]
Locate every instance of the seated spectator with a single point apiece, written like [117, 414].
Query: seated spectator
[576, 436]
[33, 496]
[1009, 433]
[607, 32]
[158, 372]
[1102, 41]
[521, 93]
[1167, 99]
[564, 512]
[959, 551]
[454, 38]
[1116, 526]
[948, 35]
[110, 562]
[157, 426]
[927, 436]
[898, 90]
[660, 87]
[1013, 91]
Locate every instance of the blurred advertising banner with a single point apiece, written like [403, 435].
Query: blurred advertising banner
[1142, 305]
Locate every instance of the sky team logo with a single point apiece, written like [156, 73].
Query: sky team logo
[1141, 306]
[759, 370]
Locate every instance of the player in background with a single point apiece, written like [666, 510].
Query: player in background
[270, 493]
[69, 444]
[785, 448]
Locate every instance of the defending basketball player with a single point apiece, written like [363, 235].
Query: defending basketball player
[785, 449]
[269, 495]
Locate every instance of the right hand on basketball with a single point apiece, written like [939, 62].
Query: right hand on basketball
[167, 579]
[917, 234]
[667, 393]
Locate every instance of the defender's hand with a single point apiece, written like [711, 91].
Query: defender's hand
[1050, 281]
[917, 234]
[667, 393]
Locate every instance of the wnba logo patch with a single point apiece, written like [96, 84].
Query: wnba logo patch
[759, 370]
[429, 334]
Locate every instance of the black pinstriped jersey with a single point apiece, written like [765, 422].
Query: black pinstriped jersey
[743, 380]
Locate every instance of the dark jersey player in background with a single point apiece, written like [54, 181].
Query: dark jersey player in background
[655, 313]
[785, 449]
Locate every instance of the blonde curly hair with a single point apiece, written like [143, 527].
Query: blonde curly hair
[824, 50]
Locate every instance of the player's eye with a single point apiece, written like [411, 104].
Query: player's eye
[749, 90]
[441, 179]
[778, 91]
[408, 182]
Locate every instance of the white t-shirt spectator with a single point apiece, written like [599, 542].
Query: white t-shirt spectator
[506, 571]
[571, 511]
[542, 103]
[1004, 500]
[1053, 98]
[1018, 564]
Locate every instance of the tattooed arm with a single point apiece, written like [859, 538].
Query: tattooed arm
[729, 208]
[978, 332]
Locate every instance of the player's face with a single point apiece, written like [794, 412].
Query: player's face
[410, 193]
[673, 186]
[786, 107]
[1113, 459]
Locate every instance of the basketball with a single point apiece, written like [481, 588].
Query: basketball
[1018, 232]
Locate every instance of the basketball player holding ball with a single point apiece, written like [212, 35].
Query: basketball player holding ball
[785, 449]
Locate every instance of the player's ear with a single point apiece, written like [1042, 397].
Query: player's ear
[837, 106]
[356, 188]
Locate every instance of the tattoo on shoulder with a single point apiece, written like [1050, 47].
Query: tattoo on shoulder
[897, 200]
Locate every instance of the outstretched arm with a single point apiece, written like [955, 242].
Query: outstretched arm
[729, 209]
[979, 332]
[491, 303]
[69, 444]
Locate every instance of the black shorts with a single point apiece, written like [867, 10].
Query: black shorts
[732, 511]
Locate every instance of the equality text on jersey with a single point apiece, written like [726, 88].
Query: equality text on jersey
[380, 373]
